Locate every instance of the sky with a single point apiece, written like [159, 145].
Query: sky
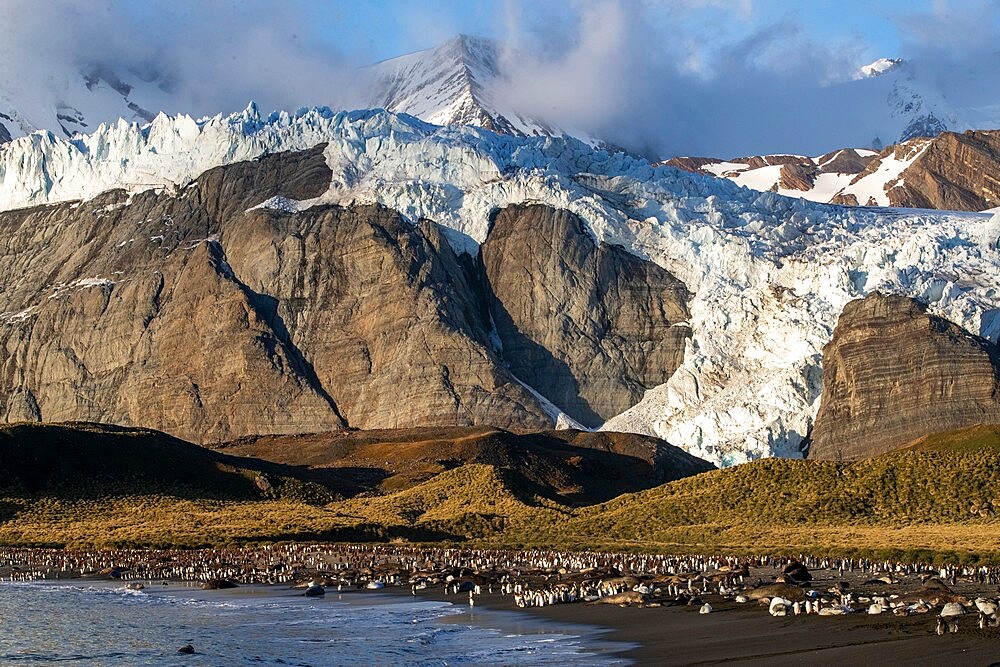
[386, 28]
[660, 77]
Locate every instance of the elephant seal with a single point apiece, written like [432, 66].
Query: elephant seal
[787, 591]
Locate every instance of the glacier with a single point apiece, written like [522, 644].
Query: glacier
[769, 274]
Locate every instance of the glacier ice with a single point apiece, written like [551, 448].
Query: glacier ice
[770, 274]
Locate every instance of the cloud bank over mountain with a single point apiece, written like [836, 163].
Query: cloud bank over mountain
[689, 77]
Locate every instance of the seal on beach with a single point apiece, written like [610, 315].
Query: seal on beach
[987, 613]
[625, 599]
[315, 591]
[787, 591]
[949, 617]
[218, 584]
[796, 573]
[779, 606]
[111, 573]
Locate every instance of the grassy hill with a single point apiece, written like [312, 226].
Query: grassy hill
[83, 460]
[569, 467]
[938, 497]
[940, 494]
[975, 439]
[90, 484]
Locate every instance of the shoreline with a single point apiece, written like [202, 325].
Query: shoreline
[596, 636]
[747, 634]
[906, 598]
[732, 633]
[585, 640]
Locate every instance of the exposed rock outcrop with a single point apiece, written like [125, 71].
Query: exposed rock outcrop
[797, 176]
[758, 161]
[588, 325]
[387, 316]
[893, 373]
[690, 163]
[942, 170]
[191, 314]
[844, 161]
[956, 172]
[206, 315]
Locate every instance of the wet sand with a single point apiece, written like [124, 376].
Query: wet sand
[747, 634]
[669, 633]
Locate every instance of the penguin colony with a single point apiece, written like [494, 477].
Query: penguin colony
[540, 578]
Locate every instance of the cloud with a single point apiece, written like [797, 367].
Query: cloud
[215, 56]
[660, 77]
[620, 74]
[666, 78]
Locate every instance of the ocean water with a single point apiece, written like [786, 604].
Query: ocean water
[105, 625]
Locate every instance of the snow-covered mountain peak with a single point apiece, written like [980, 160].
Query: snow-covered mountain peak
[878, 68]
[455, 83]
[74, 102]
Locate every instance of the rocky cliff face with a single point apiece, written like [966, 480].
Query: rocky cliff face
[893, 373]
[956, 172]
[950, 171]
[204, 315]
[589, 325]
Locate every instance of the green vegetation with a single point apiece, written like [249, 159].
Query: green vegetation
[100, 486]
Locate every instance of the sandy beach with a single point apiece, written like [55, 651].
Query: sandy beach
[665, 623]
[747, 634]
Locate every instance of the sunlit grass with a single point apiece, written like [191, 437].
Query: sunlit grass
[938, 499]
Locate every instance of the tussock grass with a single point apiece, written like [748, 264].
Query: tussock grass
[938, 499]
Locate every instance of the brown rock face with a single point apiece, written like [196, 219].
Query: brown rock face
[892, 373]
[959, 172]
[798, 176]
[201, 315]
[844, 161]
[845, 199]
[956, 172]
[692, 164]
[758, 161]
[388, 318]
[589, 326]
[949, 171]
[190, 314]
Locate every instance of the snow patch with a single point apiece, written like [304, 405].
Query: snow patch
[20, 316]
[279, 203]
[85, 283]
[562, 420]
[877, 68]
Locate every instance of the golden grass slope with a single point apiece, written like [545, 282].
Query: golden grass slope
[939, 497]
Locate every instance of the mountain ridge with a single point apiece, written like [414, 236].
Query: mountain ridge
[468, 80]
[450, 84]
[767, 275]
[949, 171]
